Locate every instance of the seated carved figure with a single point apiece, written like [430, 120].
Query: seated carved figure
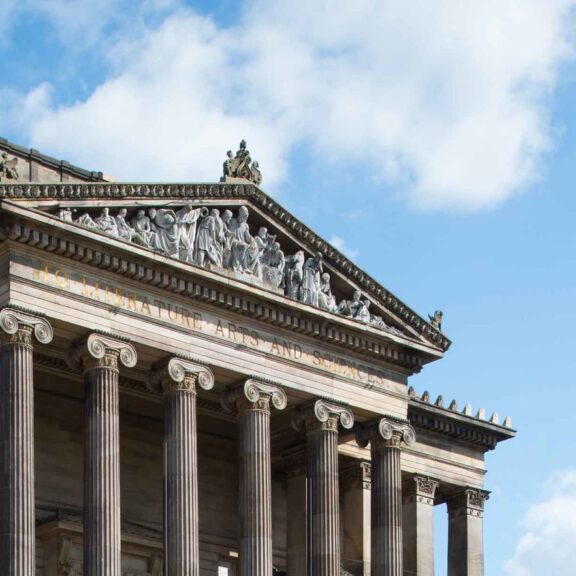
[8, 167]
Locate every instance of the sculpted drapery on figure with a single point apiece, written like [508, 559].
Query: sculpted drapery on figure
[202, 237]
[8, 167]
[241, 166]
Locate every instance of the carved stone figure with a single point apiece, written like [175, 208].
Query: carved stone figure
[255, 252]
[436, 319]
[311, 280]
[125, 231]
[8, 167]
[107, 223]
[143, 233]
[165, 225]
[241, 239]
[65, 214]
[351, 307]
[227, 239]
[206, 241]
[363, 312]
[326, 300]
[256, 175]
[293, 274]
[273, 263]
[241, 165]
[187, 219]
[86, 220]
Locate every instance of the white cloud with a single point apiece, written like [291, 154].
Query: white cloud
[548, 544]
[446, 100]
[340, 244]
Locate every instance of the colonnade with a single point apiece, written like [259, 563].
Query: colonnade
[177, 379]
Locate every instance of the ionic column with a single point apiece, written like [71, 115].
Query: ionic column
[98, 356]
[17, 520]
[465, 533]
[321, 420]
[252, 402]
[418, 526]
[386, 437]
[177, 379]
[296, 521]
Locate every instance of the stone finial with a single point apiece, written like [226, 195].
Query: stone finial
[467, 409]
[388, 430]
[481, 415]
[19, 325]
[426, 396]
[98, 350]
[180, 374]
[507, 422]
[495, 419]
[411, 392]
[453, 406]
[254, 394]
[439, 402]
[324, 414]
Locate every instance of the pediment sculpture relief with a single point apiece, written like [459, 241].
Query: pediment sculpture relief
[225, 241]
[8, 168]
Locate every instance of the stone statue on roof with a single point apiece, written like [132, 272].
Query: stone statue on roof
[8, 167]
[241, 166]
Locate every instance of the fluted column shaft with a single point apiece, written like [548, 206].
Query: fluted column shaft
[321, 420]
[386, 510]
[323, 498]
[17, 526]
[102, 472]
[255, 495]
[177, 380]
[386, 437]
[99, 357]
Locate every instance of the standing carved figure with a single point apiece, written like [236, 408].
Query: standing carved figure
[436, 319]
[125, 231]
[273, 262]
[206, 241]
[293, 274]
[311, 280]
[241, 239]
[187, 219]
[143, 233]
[255, 174]
[227, 239]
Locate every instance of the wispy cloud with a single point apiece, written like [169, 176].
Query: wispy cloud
[548, 543]
[448, 101]
[340, 244]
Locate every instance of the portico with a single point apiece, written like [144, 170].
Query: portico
[184, 418]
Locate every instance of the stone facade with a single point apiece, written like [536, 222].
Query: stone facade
[171, 416]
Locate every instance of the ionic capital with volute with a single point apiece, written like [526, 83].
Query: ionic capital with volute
[18, 325]
[323, 415]
[387, 432]
[180, 375]
[255, 395]
[101, 351]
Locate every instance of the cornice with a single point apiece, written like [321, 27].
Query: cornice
[458, 427]
[223, 191]
[185, 280]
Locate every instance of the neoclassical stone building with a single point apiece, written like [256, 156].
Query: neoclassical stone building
[194, 383]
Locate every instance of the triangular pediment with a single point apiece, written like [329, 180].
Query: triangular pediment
[235, 231]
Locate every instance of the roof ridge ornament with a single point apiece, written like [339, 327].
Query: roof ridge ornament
[241, 166]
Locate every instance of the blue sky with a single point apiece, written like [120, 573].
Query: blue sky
[433, 142]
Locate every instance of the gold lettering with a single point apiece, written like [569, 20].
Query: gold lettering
[172, 315]
[145, 306]
[160, 305]
[184, 317]
[254, 338]
[46, 274]
[118, 298]
[197, 320]
[85, 287]
[275, 347]
[131, 304]
[96, 292]
[317, 358]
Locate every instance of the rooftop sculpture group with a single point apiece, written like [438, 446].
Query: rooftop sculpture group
[241, 166]
[207, 238]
